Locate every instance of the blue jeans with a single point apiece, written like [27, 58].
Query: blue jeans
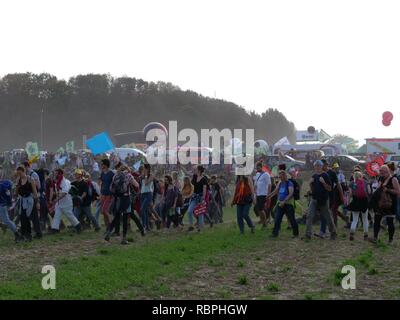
[288, 209]
[323, 225]
[194, 201]
[6, 219]
[145, 203]
[242, 213]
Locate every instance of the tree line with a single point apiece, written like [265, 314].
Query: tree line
[91, 103]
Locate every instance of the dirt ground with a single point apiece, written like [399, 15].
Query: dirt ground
[293, 269]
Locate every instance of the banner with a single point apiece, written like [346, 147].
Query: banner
[100, 143]
[32, 149]
[70, 146]
[304, 135]
[373, 166]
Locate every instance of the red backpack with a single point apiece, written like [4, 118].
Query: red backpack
[360, 189]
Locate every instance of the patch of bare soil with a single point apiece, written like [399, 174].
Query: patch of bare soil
[286, 268]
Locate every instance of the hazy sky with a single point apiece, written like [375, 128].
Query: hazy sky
[331, 64]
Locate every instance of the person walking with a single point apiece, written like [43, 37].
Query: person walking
[262, 187]
[146, 195]
[243, 198]
[200, 183]
[29, 204]
[63, 203]
[320, 186]
[285, 205]
[5, 204]
[384, 202]
[359, 193]
[83, 200]
[120, 187]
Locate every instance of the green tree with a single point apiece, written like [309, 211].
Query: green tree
[350, 143]
[91, 103]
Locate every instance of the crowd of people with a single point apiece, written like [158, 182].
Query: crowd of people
[38, 199]
[330, 196]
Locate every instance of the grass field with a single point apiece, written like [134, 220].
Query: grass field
[217, 263]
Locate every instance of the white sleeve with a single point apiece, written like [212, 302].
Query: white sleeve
[65, 186]
[268, 179]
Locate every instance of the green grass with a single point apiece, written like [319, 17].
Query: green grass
[338, 277]
[243, 280]
[272, 287]
[136, 268]
[364, 261]
[267, 297]
[314, 296]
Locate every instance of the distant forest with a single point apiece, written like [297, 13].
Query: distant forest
[89, 104]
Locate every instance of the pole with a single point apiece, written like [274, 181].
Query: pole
[84, 141]
[41, 129]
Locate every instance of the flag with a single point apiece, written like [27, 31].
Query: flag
[100, 143]
[282, 141]
[323, 136]
[32, 149]
[265, 168]
[70, 146]
[34, 159]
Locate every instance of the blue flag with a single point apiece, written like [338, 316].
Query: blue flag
[100, 143]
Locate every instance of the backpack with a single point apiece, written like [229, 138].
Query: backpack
[360, 189]
[296, 189]
[119, 185]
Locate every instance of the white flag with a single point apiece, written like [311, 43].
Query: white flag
[282, 141]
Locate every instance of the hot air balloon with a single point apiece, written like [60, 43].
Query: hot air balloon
[156, 128]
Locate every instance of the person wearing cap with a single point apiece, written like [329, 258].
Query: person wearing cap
[82, 200]
[320, 186]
